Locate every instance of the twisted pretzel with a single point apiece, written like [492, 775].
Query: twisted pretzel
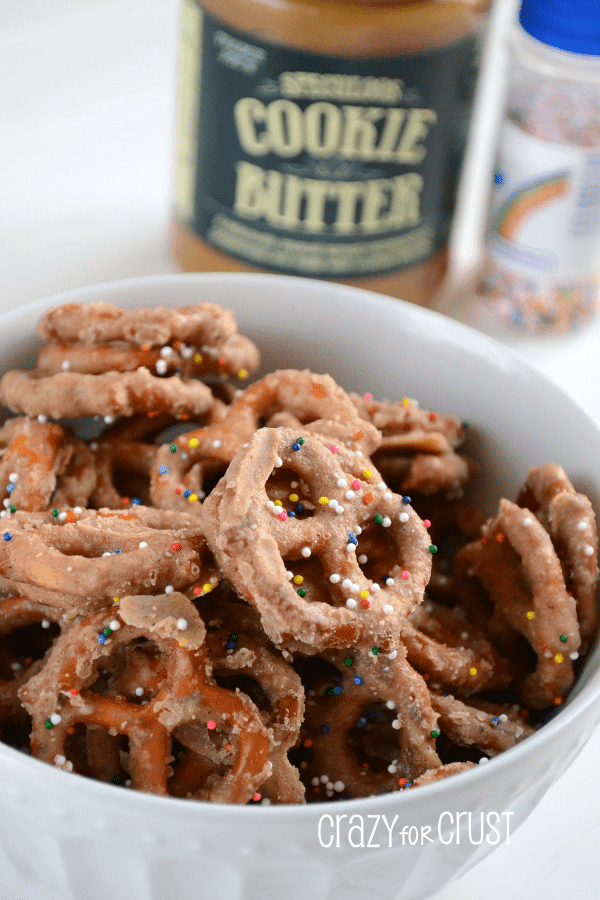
[185, 695]
[517, 566]
[235, 354]
[100, 555]
[96, 323]
[569, 519]
[71, 394]
[315, 402]
[255, 549]
[43, 462]
[491, 728]
[339, 711]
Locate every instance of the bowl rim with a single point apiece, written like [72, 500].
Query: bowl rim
[460, 334]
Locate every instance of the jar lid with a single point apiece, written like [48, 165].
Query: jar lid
[572, 25]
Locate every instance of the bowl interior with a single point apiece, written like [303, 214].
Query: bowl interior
[369, 343]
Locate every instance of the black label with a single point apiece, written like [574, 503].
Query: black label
[330, 167]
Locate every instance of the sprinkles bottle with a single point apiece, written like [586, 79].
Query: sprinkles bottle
[542, 257]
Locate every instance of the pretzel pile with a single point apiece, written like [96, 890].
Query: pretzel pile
[229, 595]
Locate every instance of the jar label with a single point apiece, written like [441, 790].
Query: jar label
[315, 165]
[544, 222]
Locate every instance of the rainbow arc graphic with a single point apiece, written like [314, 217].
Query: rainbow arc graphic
[529, 199]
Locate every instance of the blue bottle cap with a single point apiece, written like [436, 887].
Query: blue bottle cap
[572, 25]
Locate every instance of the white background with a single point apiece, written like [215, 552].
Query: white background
[86, 137]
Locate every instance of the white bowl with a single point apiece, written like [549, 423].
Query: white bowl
[76, 839]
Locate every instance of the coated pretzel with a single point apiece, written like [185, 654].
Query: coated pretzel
[236, 354]
[401, 745]
[44, 462]
[517, 566]
[62, 690]
[98, 555]
[97, 323]
[492, 728]
[315, 402]
[71, 394]
[569, 519]
[256, 548]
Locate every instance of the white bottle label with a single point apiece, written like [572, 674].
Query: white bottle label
[544, 219]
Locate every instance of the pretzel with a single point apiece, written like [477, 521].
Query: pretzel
[101, 555]
[284, 700]
[15, 613]
[493, 728]
[255, 549]
[315, 400]
[237, 354]
[432, 776]
[569, 519]
[338, 712]
[41, 462]
[61, 690]
[517, 566]
[70, 394]
[97, 323]
[448, 650]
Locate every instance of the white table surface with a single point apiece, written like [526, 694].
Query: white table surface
[86, 135]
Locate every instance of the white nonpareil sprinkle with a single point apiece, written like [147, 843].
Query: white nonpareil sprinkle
[351, 603]
[346, 583]
[393, 654]
[324, 779]
[278, 462]
[184, 456]
[77, 509]
[375, 587]
[351, 548]
[6, 502]
[166, 351]
[354, 589]
[289, 574]
[45, 623]
[114, 625]
[390, 704]
[62, 516]
[342, 482]
[217, 444]
[526, 521]
[403, 517]
[339, 509]
[339, 786]
[305, 552]
[55, 718]
[315, 782]
[392, 769]
[363, 558]
[396, 724]
[335, 578]
[94, 446]
[106, 553]
[582, 525]
[161, 366]
[143, 545]
[182, 624]
[109, 419]
[59, 760]
[16, 667]
[390, 582]
[358, 530]
[42, 419]
[13, 477]
[350, 495]
[294, 484]
[270, 504]
[169, 589]
[139, 691]
[386, 522]
[3, 514]
[381, 486]
[588, 550]
[503, 717]
[186, 352]
[387, 496]
[483, 760]
[65, 365]
[276, 510]
[388, 608]
[574, 655]
[332, 504]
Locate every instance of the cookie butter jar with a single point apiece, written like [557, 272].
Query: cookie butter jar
[324, 138]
